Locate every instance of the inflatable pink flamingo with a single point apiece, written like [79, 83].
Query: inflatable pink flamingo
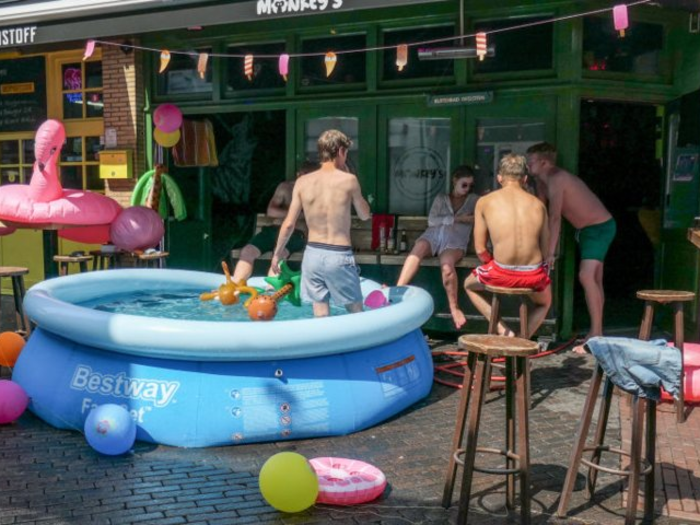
[43, 203]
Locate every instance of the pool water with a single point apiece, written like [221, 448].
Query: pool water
[186, 305]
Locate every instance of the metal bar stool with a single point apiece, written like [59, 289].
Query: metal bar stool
[482, 349]
[639, 465]
[676, 299]
[64, 261]
[16, 274]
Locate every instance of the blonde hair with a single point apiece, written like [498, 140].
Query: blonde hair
[512, 166]
[329, 144]
[544, 150]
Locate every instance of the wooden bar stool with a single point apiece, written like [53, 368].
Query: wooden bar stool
[151, 260]
[639, 465]
[16, 274]
[64, 261]
[482, 349]
[105, 260]
[676, 299]
[497, 292]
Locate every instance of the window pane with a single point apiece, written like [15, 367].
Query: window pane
[348, 125]
[93, 178]
[28, 153]
[417, 68]
[265, 70]
[526, 49]
[419, 158]
[95, 105]
[92, 148]
[27, 175]
[9, 176]
[72, 177]
[9, 152]
[72, 77]
[72, 105]
[72, 150]
[93, 74]
[182, 77]
[349, 68]
[638, 52]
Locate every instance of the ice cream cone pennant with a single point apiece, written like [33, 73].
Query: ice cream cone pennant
[401, 56]
[331, 60]
[481, 45]
[164, 60]
[89, 49]
[620, 18]
[284, 66]
[202, 65]
[248, 66]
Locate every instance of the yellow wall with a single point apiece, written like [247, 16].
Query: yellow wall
[23, 248]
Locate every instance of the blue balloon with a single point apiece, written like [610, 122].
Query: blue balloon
[110, 429]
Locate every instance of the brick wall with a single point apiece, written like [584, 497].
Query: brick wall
[122, 75]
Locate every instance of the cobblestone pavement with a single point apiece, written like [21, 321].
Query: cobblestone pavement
[50, 476]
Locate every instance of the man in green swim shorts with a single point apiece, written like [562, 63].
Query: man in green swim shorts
[265, 240]
[568, 196]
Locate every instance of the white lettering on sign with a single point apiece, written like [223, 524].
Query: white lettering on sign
[160, 393]
[273, 7]
[17, 36]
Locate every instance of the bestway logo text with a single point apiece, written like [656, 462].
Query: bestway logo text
[160, 393]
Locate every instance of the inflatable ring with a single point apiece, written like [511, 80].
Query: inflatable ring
[347, 481]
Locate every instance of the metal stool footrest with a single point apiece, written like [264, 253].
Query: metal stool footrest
[618, 472]
[490, 470]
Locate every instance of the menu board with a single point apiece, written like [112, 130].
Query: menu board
[22, 94]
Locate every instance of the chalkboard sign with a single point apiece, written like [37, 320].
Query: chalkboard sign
[22, 94]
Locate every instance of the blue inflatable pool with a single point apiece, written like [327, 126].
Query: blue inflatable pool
[196, 383]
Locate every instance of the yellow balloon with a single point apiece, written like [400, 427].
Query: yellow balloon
[288, 482]
[167, 140]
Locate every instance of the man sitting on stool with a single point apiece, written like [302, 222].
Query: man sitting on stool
[516, 223]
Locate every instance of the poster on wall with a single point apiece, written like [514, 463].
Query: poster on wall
[22, 94]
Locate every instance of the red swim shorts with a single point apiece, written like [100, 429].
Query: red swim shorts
[493, 274]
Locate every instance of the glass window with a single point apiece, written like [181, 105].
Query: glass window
[527, 49]
[81, 84]
[182, 77]
[419, 159]
[638, 52]
[417, 68]
[16, 159]
[350, 68]
[348, 125]
[80, 167]
[265, 70]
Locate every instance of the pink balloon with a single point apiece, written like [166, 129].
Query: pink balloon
[13, 401]
[137, 228]
[167, 118]
[7, 230]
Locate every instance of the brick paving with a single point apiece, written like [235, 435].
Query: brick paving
[50, 476]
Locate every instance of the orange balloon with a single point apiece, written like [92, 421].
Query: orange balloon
[262, 308]
[11, 345]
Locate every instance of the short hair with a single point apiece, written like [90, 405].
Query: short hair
[329, 144]
[462, 171]
[512, 166]
[545, 150]
[307, 167]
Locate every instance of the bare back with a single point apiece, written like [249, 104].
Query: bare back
[516, 222]
[576, 202]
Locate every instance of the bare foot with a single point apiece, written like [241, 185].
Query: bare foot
[579, 349]
[507, 332]
[458, 317]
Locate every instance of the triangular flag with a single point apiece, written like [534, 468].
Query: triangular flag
[481, 47]
[248, 66]
[202, 65]
[284, 65]
[330, 60]
[620, 18]
[164, 60]
[401, 56]
[89, 49]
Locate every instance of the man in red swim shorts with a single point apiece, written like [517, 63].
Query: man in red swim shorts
[516, 223]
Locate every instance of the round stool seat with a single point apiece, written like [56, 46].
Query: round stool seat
[498, 345]
[72, 258]
[13, 271]
[665, 296]
[508, 291]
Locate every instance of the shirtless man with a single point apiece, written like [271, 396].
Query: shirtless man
[516, 222]
[568, 196]
[265, 240]
[328, 270]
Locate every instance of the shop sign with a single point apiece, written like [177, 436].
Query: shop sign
[273, 7]
[17, 88]
[461, 99]
[17, 36]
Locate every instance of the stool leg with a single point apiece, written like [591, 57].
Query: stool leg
[510, 431]
[483, 368]
[679, 341]
[635, 460]
[83, 266]
[647, 321]
[523, 401]
[579, 442]
[18, 296]
[459, 429]
[604, 413]
[495, 314]
[651, 458]
[63, 268]
[523, 318]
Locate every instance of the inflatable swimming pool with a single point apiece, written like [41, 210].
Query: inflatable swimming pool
[196, 383]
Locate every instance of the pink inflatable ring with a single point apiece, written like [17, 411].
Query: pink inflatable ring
[347, 481]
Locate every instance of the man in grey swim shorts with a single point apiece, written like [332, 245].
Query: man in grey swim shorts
[326, 196]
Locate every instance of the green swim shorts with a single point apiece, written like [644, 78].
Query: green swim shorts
[595, 240]
[266, 240]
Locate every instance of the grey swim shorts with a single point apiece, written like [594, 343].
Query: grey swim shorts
[330, 273]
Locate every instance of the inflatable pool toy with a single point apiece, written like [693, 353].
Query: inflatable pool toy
[136, 228]
[198, 383]
[347, 481]
[691, 362]
[44, 204]
[145, 190]
[286, 284]
[229, 292]
[376, 299]
[6, 230]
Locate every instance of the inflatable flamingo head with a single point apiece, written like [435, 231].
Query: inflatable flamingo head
[49, 140]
